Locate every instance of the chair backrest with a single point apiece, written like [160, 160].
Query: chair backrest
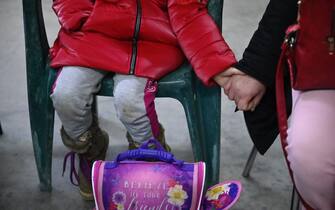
[215, 10]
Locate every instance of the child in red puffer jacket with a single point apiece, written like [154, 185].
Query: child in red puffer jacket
[139, 41]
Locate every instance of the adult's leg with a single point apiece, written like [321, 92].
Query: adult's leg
[311, 147]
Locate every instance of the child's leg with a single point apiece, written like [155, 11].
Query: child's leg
[134, 104]
[311, 147]
[73, 97]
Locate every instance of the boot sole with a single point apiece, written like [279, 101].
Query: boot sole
[86, 196]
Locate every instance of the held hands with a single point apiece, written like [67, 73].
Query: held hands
[245, 90]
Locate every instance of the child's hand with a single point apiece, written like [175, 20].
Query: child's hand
[223, 78]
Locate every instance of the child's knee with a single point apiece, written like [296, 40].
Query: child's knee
[129, 107]
[61, 100]
[67, 101]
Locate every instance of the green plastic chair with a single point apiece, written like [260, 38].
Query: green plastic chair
[202, 105]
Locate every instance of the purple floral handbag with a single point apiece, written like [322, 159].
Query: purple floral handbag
[145, 178]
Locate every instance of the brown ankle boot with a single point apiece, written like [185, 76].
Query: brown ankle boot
[90, 146]
[161, 138]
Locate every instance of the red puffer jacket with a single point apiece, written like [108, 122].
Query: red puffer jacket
[147, 38]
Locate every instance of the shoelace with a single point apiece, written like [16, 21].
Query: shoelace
[83, 164]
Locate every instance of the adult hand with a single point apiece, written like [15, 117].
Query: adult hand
[246, 91]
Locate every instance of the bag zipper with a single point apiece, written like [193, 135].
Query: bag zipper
[135, 37]
[299, 9]
[331, 37]
[291, 32]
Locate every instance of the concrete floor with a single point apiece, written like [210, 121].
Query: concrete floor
[267, 188]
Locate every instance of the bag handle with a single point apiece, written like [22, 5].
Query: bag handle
[286, 61]
[150, 142]
[148, 154]
[145, 153]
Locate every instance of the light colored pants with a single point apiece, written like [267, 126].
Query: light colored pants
[73, 95]
[311, 147]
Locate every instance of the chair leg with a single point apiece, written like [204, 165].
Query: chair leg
[250, 162]
[42, 122]
[41, 115]
[193, 127]
[1, 129]
[295, 201]
[204, 128]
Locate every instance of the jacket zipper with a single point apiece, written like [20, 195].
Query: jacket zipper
[331, 37]
[135, 37]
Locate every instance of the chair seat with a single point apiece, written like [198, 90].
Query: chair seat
[167, 86]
